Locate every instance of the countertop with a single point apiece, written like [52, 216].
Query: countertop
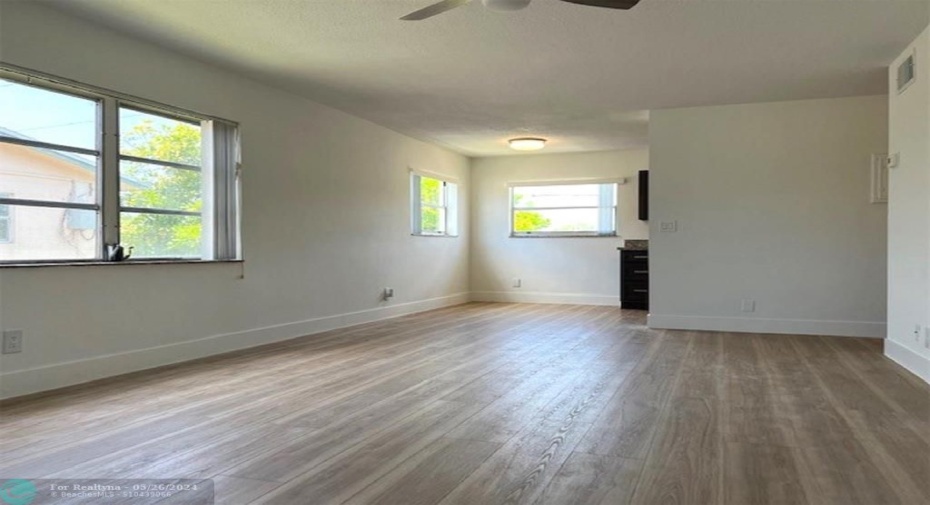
[634, 245]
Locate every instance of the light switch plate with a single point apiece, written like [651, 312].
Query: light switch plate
[879, 192]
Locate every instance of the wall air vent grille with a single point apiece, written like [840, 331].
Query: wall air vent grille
[907, 72]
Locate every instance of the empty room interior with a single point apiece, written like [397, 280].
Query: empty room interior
[418, 252]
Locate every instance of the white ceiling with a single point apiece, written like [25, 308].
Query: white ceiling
[580, 76]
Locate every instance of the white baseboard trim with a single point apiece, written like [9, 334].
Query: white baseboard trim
[538, 297]
[910, 360]
[754, 325]
[44, 378]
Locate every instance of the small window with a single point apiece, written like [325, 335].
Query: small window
[6, 221]
[434, 206]
[563, 210]
[175, 174]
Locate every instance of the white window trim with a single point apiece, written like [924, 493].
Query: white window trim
[620, 181]
[221, 241]
[608, 208]
[450, 188]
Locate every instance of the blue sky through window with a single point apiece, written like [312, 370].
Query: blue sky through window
[57, 118]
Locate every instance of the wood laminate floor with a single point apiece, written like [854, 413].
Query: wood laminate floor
[502, 404]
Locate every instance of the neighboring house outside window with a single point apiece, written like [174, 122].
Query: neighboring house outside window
[6, 221]
[42, 233]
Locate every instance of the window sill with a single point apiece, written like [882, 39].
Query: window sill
[95, 263]
[543, 235]
[434, 235]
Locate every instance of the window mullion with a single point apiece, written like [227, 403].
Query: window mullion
[48, 145]
[108, 175]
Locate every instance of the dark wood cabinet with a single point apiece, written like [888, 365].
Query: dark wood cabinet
[634, 279]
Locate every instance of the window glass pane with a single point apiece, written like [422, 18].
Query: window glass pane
[6, 225]
[42, 233]
[555, 220]
[434, 220]
[30, 173]
[572, 195]
[6, 229]
[431, 191]
[160, 236]
[47, 116]
[159, 187]
[155, 137]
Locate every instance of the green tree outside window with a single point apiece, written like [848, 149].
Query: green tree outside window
[158, 187]
[527, 220]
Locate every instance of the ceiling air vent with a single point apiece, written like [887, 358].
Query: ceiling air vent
[907, 72]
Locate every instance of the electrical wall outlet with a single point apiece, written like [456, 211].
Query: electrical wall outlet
[748, 305]
[387, 294]
[894, 160]
[927, 337]
[517, 282]
[12, 341]
[916, 333]
[668, 226]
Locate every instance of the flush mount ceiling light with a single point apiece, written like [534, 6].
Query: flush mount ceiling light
[505, 5]
[527, 144]
[508, 5]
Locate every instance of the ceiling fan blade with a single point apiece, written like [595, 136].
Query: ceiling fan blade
[610, 4]
[436, 8]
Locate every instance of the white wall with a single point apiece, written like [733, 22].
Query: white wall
[560, 270]
[326, 224]
[909, 216]
[772, 204]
